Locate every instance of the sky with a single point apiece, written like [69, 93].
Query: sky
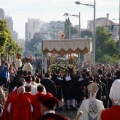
[53, 10]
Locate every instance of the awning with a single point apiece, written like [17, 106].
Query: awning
[67, 46]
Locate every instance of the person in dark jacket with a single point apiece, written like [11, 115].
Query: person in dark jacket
[70, 90]
[80, 89]
[17, 77]
[49, 85]
[100, 74]
[110, 82]
[102, 94]
[58, 80]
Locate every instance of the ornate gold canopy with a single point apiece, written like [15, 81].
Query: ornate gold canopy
[67, 46]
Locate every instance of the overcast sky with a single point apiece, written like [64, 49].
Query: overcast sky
[48, 10]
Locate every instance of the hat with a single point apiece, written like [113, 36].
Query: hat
[115, 91]
[93, 88]
[26, 59]
[48, 100]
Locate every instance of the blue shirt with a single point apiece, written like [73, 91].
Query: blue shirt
[4, 72]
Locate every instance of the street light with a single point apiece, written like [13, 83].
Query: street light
[119, 35]
[94, 24]
[79, 33]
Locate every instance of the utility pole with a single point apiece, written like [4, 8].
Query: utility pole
[119, 37]
[79, 27]
[69, 28]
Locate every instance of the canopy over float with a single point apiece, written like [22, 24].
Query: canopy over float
[66, 46]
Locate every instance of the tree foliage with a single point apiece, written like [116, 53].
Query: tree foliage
[7, 45]
[106, 47]
[109, 59]
[86, 34]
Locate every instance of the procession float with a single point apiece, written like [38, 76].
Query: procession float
[63, 53]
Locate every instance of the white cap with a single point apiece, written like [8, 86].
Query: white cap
[115, 91]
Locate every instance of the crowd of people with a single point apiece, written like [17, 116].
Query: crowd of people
[33, 96]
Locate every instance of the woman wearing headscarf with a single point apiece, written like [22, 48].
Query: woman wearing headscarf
[90, 108]
[113, 113]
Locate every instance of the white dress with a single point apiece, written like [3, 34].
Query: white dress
[85, 109]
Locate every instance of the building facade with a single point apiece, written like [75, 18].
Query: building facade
[110, 26]
[15, 35]
[51, 30]
[56, 28]
[21, 43]
[9, 23]
[32, 27]
[2, 14]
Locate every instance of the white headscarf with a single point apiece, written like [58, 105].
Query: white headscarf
[115, 92]
[92, 89]
[92, 104]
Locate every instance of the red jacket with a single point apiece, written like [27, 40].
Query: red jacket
[36, 106]
[112, 113]
[29, 95]
[20, 108]
[5, 114]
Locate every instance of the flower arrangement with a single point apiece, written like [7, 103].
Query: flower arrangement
[61, 67]
[62, 64]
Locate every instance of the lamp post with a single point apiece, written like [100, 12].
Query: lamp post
[78, 16]
[79, 32]
[94, 24]
[69, 28]
[119, 36]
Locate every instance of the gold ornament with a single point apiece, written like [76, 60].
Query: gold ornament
[62, 35]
